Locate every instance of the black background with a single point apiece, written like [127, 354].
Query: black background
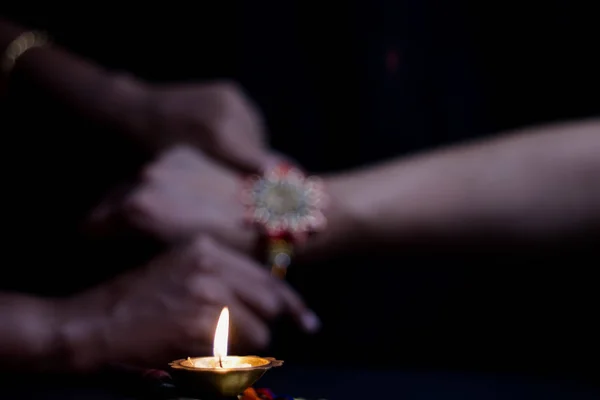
[318, 71]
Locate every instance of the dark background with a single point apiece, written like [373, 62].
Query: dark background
[341, 86]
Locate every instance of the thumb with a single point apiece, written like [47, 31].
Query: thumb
[251, 160]
[107, 217]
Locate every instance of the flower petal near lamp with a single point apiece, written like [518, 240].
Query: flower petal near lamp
[265, 394]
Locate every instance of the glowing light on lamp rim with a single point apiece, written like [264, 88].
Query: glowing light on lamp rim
[221, 335]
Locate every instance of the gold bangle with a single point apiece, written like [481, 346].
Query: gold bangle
[19, 46]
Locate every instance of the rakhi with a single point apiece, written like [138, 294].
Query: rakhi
[287, 206]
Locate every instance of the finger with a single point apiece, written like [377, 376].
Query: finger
[258, 294]
[262, 292]
[251, 284]
[247, 159]
[180, 159]
[107, 217]
[143, 210]
[235, 143]
[249, 115]
[210, 291]
[247, 327]
[306, 318]
[154, 209]
[200, 331]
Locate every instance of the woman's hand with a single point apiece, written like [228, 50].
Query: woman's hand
[181, 194]
[184, 193]
[216, 117]
[169, 309]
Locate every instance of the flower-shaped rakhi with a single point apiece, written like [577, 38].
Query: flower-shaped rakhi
[288, 206]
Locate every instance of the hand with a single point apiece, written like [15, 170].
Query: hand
[169, 309]
[216, 117]
[181, 194]
[184, 193]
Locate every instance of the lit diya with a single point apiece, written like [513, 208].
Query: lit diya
[220, 376]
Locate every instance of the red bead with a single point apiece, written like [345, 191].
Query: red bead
[265, 394]
[250, 394]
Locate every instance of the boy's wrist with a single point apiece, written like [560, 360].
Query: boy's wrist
[344, 221]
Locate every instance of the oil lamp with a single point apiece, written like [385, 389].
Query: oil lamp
[220, 376]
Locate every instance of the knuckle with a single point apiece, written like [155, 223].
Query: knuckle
[217, 126]
[203, 245]
[228, 98]
[207, 263]
[203, 263]
[212, 292]
[193, 285]
[203, 252]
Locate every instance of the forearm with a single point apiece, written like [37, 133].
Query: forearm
[531, 185]
[80, 85]
[58, 335]
[29, 333]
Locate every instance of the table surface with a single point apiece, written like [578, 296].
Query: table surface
[333, 384]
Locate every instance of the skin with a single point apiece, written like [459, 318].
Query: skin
[531, 186]
[214, 116]
[163, 311]
[78, 334]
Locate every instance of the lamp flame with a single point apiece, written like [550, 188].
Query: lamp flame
[221, 335]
